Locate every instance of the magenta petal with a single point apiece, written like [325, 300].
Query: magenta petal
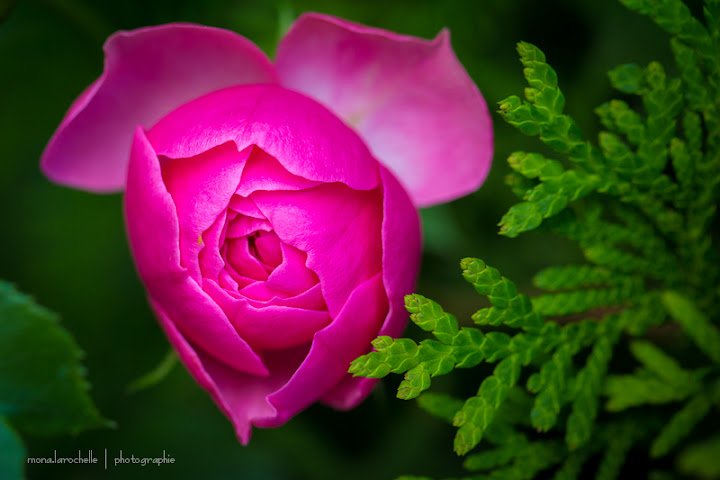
[292, 276]
[332, 351]
[271, 326]
[240, 396]
[148, 72]
[201, 188]
[154, 240]
[410, 99]
[337, 227]
[150, 215]
[204, 323]
[401, 261]
[308, 140]
[264, 172]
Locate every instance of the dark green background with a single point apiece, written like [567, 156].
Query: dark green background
[68, 248]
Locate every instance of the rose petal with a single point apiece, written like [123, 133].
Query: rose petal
[148, 72]
[153, 234]
[333, 348]
[272, 326]
[150, 214]
[308, 140]
[292, 275]
[201, 188]
[337, 227]
[264, 172]
[240, 396]
[409, 98]
[401, 260]
[239, 262]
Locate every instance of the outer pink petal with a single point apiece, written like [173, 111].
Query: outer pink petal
[148, 72]
[333, 348]
[401, 261]
[410, 99]
[240, 396]
[153, 235]
[308, 140]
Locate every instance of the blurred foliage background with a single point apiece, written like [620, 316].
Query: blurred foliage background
[68, 249]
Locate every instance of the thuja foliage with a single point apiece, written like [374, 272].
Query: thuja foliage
[620, 354]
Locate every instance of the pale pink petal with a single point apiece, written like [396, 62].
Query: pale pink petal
[308, 140]
[410, 99]
[402, 247]
[154, 238]
[337, 227]
[332, 351]
[148, 72]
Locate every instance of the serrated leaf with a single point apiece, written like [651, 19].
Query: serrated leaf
[43, 388]
[12, 453]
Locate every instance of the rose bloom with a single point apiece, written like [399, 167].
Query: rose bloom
[271, 209]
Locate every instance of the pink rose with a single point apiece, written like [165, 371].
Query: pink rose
[271, 209]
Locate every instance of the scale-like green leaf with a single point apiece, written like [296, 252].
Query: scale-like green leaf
[694, 322]
[701, 459]
[680, 425]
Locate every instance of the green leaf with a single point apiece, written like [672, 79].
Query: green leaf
[573, 276]
[43, 387]
[701, 459]
[626, 78]
[694, 322]
[430, 316]
[12, 453]
[588, 385]
[680, 425]
[626, 391]
[662, 365]
[620, 439]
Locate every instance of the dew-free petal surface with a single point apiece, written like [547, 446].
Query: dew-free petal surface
[148, 72]
[338, 228]
[306, 139]
[154, 240]
[410, 99]
[332, 351]
[241, 397]
[201, 188]
[402, 247]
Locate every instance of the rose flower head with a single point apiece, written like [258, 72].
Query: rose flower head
[271, 208]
